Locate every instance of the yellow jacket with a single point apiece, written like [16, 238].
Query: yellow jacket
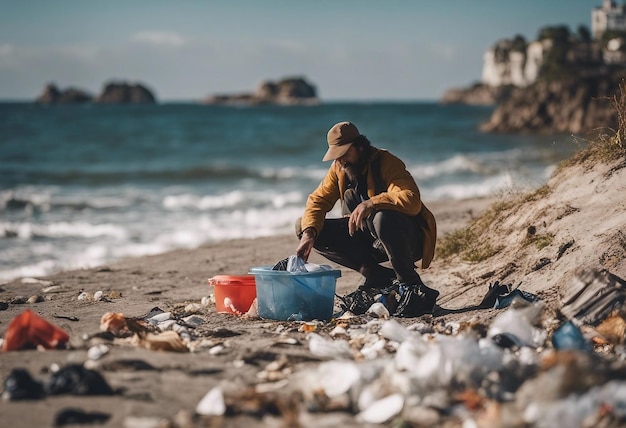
[402, 194]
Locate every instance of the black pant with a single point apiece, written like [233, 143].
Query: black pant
[389, 236]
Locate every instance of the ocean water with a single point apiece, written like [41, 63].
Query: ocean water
[84, 185]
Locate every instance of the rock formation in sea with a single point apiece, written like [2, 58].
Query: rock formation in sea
[112, 93]
[53, 95]
[125, 93]
[288, 91]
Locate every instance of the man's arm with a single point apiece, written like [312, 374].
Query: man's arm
[306, 243]
[402, 193]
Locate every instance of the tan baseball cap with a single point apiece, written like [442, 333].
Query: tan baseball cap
[340, 138]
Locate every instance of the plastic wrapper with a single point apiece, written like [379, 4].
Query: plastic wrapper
[28, 330]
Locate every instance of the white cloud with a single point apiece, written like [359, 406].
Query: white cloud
[159, 38]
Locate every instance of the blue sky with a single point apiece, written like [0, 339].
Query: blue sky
[187, 50]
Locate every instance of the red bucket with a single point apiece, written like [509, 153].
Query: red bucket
[233, 294]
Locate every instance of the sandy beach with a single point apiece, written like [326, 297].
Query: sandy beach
[161, 388]
[167, 281]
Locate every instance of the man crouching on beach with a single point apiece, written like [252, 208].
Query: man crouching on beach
[383, 220]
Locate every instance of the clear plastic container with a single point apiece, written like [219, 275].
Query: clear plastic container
[306, 296]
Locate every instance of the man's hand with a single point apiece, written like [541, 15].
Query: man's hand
[306, 244]
[358, 216]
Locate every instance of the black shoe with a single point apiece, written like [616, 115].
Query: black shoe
[357, 302]
[415, 300]
[389, 296]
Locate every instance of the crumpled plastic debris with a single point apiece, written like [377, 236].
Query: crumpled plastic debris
[500, 296]
[77, 380]
[114, 323]
[592, 296]
[324, 347]
[72, 379]
[506, 300]
[165, 341]
[378, 310]
[569, 337]
[212, 404]
[28, 330]
[613, 329]
[518, 322]
[19, 385]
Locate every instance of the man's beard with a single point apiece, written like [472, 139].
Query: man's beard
[353, 170]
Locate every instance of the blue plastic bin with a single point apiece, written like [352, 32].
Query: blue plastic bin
[290, 296]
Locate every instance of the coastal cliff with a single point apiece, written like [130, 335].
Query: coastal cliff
[573, 105]
[559, 83]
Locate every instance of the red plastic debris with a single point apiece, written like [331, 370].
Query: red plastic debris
[28, 330]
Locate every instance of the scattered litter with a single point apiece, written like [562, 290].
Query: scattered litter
[569, 337]
[519, 323]
[382, 410]
[28, 330]
[613, 329]
[77, 380]
[307, 327]
[506, 300]
[592, 296]
[194, 308]
[500, 296]
[114, 323]
[66, 317]
[165, 341]
[378, 310]
[158, 318]
[518, 370]
[215, 350]
[36, 299]
[19, 385]
[97, 351]
[212, 404]
[329, 348]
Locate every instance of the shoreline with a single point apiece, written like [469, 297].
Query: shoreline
[451, 214]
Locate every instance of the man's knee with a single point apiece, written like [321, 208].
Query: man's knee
[387, 223]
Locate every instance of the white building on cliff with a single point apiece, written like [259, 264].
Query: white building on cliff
[609, 16]
[505, 66]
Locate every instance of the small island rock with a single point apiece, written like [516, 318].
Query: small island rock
[288, 91]
[125, 93]
[53, 95]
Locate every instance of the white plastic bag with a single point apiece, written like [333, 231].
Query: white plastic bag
[296, 264]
